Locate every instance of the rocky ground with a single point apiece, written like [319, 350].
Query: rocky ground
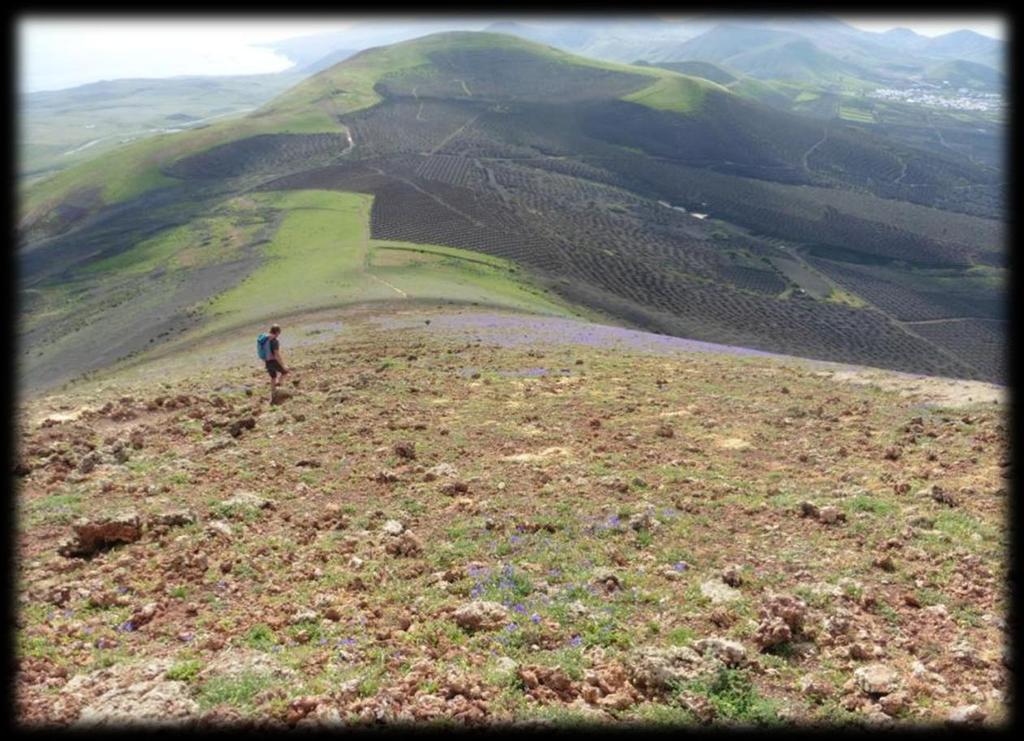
[438, 528]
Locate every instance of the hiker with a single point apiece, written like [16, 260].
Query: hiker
[269, 350]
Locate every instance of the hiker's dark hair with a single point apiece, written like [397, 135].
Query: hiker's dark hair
[275, 329]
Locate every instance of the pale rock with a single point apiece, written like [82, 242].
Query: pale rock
[393, 527]
[730, 653]
[221, 528]
[719, 592]
[148, 703]
[481, 615]
[659, 669]
[877, 679]
[965, 715]
[243, 498]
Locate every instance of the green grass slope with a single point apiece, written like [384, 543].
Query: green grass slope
[960, 73]
[322, 256]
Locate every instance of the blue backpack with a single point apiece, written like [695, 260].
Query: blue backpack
[263, 346]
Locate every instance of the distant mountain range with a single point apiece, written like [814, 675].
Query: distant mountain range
[801, 50]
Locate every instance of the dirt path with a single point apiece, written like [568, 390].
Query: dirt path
[811, 150]
[430, 195]
[453, 135]
[903, 172]
[955, 150]
[397, 290]
[950, 319]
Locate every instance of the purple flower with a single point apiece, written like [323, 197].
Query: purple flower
[681, 566]
[515, 539]
[126, 627]
[575, 641]
[122, 589]
[534, 618]
[511, 627]
[323, 641]
[519, 607]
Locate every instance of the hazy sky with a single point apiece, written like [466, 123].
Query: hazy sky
[58, 52]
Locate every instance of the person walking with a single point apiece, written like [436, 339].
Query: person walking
[268, 347]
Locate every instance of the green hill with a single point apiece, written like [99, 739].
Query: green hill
[971, 75]
[312, 107]
[764, 53]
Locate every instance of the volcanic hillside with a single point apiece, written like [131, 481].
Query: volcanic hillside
[489, 518]
[636, 193]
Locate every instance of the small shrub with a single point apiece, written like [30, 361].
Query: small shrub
[260, 637]
[238, 690]
[184, 671]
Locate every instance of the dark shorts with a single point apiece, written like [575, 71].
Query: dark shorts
[274, 368]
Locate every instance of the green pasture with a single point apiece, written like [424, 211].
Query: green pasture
[856, 113]
[321, 256]
[676, 93]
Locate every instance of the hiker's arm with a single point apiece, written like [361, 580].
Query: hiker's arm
[280, 359]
